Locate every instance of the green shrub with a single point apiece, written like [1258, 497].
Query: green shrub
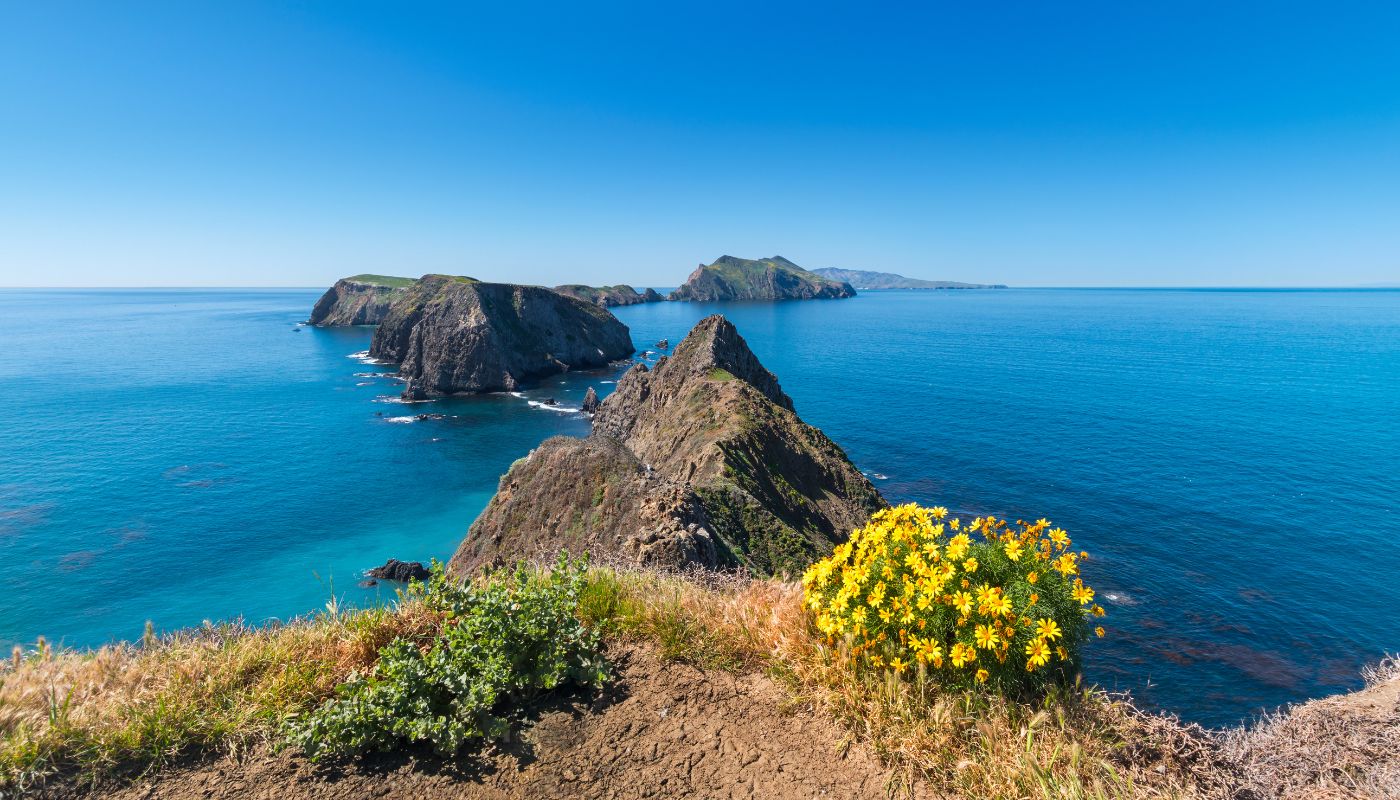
[503, 642]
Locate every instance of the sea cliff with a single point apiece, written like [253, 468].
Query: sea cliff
[358, 300]
[452, 335]
[699, 461]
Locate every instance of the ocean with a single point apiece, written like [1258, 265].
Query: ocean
[1229, 458]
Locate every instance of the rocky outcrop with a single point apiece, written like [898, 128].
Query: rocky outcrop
[776, 278]
[620, 295]
[865, 279]
[590, 401]
[454, 335]
[401, 571]
[699, 461]
[359, 300]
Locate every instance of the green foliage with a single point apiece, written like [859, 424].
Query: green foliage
[720, 374]
[503, 642]
[390, 281]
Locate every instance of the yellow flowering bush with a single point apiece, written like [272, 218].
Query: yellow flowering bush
[983, 602]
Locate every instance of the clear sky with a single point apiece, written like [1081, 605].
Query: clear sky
[1036, 143]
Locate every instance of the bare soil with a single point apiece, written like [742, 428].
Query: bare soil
[660, 730]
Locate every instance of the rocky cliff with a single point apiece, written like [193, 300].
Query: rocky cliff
[453, 335]
[776, 278]
[699, 461]
[358, 300]
[620, 295]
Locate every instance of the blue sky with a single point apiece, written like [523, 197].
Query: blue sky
[1118, 143]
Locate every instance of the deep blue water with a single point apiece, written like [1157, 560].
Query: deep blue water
[1230, 459]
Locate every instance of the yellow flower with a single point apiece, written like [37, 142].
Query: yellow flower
[875, 659]
[999, 604]
[1061, 652]
[1083, 594]
[1013, 550]
[1038, 653]
[1047, 629]
[983, 675]
[923, 602]
[1098, 610]
[987, 637]
[962, 601]
[1032, 578]
[962, 654]
[938, 512]
[1099, 631]
[1035, 598]
[970, 565]
[1059, 537]
[954, 523]
[885, 614]
[897, 665]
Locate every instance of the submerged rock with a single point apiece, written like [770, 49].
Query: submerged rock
[698, 461]
[456, 335]
[776, 278]
[401, 571]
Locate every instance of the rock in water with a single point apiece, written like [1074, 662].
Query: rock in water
[775, 278]
[699, 461]
[359, 300]
[455, 335]
[652, 296]
[590, 402]
[664, 344]
[401, 571]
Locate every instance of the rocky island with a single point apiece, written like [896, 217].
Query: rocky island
[620, 295]
[865, 279]
[358, 300]
[698, 461]
[453, 335]
[776, 278]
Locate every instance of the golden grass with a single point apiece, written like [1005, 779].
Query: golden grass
[219, 687]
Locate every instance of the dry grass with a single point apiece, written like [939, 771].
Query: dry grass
[1345, 747]
[219, 687]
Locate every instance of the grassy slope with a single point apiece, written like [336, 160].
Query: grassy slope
[223, 688]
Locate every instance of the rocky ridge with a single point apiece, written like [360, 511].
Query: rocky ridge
[453, 335]
[698, 461]
[776, 278]
[358, 300]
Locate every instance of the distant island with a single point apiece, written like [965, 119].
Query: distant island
[866, 279]
[619, 295]
[776, 278]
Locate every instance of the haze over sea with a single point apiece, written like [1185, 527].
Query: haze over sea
[1229, 459]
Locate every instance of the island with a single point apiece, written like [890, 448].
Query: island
[700, 461]
[776, 278]
[619, 295]
[865, 279]
[457, 335]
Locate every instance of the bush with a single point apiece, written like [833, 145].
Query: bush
[914, 590]
[503, 642]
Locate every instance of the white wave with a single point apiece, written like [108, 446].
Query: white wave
[401, 419]
[388, 398]
[393, 375]
[559, 408]
[365, 383]
[607, 381]
[1120, 598]
[361, 354]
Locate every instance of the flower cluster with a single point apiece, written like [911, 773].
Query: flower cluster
[914, 589]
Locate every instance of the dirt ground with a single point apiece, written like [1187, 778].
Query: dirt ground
[660, 730]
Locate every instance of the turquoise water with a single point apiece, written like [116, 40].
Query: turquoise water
[1229, 457]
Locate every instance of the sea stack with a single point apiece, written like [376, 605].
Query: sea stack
[452, 335]
[358, 300]
[776, 278]
[699, 461]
